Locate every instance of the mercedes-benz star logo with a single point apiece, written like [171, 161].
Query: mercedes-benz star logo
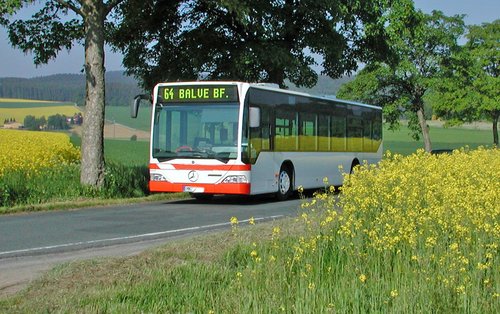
[193, 176]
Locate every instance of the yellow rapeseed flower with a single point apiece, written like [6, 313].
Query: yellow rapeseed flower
[434, 211]
[362, 278]
[234, 221]
[31, 151]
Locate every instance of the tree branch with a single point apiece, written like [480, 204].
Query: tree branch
[111, 5]
[71, 6]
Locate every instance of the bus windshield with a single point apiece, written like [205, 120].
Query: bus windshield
[195, 130]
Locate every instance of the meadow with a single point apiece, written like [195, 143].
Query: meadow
[125, 152]
[121, 115]
[417, 234]
[400, 141]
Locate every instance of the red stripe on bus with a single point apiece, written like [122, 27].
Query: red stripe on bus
[205, 167]
[223, 188]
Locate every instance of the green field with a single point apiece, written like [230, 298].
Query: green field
[134, 153]
[129, 153]
[401, 142]
[121, 115]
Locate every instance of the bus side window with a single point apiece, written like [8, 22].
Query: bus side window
[323, 133]
[265, 128]
[285, 138]
[307, 131]
[259, 136]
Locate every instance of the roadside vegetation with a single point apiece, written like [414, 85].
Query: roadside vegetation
[40, 170]
[37, 168]
[415, 234]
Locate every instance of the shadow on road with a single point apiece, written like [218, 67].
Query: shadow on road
[234, 199]
[247, 199]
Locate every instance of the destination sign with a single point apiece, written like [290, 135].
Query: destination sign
[198, 93]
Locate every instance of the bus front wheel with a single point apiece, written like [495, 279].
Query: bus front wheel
[284, 184]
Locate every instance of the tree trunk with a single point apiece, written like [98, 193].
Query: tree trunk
[92, 167]
[495, 128]
[425, 130]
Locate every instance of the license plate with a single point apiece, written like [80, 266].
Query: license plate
[193, 189]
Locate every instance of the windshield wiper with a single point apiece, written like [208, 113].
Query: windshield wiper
[222, 157]
[164, 155]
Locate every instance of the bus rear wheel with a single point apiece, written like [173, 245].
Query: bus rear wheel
[284, 184]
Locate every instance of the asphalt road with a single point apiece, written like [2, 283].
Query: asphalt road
[35, 242]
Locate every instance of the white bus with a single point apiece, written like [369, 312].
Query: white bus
[238, 138]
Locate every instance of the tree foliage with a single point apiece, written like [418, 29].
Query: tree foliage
[471, 90]
[421, 44]
[33, 123]
[9, 7]
[46, 33]
[256, 41]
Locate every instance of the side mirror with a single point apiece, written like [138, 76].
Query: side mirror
[135, 105]
[254, 117]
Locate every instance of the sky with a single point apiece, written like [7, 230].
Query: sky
[14, 63]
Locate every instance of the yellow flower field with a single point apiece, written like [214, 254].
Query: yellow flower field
[31, 151]
[422, 200]
[412, 234]
[20, 113]
[23, 100]
[423, 222]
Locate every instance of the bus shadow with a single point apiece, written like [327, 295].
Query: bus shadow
[236, 200]
[250, 199]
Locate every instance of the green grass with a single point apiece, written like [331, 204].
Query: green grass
[125, 152]
[401, 142]
[121, 115]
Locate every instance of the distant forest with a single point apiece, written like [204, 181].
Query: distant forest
[120, 89]
[326, 86]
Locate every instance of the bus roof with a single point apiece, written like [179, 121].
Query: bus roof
[273, 87]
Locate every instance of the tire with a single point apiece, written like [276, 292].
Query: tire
[354, 164]
[285, 184]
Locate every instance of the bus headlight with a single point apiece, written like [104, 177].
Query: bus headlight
[157, 177]
[235, 179]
